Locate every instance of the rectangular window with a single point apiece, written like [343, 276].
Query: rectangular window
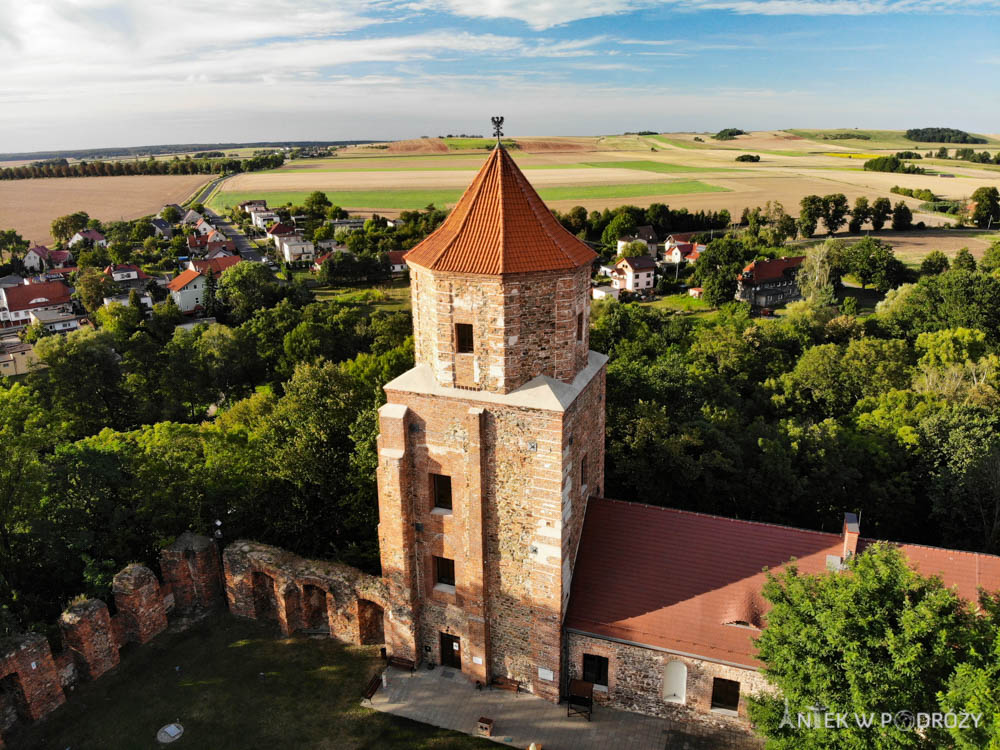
[595, 669]
[725, 694]
[583, 471]
[441, 487]
[579, 326]
[444, 571]
[463, 338]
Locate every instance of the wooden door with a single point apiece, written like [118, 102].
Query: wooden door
[451, 651]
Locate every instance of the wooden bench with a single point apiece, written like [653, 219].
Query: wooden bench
[401, 663]
[506, 683]
[372, 687]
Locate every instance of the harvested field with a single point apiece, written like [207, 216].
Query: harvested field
[29, 206]
[419, 146]
[911, 248]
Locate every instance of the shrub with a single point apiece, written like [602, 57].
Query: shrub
[727, 134]
[748, 157]
[891, 164]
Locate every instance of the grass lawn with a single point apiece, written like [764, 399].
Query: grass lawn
[651, 166]
[683, 302]
[394, 297]
[415, 199]
[235, 684]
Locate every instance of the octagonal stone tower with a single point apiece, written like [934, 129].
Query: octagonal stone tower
[490, 446]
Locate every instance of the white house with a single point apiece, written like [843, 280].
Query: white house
[88, 234]
[18, 302]
[604, 292]
[635, 275]
[56, 321]
[123, 299]
[294, 248]
[188, 290]
[680, 252]
[35, 258]
[204, 227]
[263, 219]
[127, 275]
[191, 217]
[397, 265]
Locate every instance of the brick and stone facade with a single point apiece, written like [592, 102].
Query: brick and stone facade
[140, 603]
[190, 566]
[88, 635]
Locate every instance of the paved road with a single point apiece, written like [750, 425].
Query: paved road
[227, 228]
[207, 190]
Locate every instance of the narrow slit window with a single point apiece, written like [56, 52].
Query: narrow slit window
[444, 571]
[441, 487]
[579, 326]
[463, 338]
[583, 471]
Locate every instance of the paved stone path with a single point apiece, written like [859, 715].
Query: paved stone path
[445, 698]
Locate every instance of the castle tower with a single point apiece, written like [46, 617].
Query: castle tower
[490, 446]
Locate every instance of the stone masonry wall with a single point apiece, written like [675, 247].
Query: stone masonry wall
[636, 680]
[524, 325]
[140, 603]
[88, 635]
[297, 588]
[190, 566]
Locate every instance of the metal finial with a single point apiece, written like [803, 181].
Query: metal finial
[497, 127]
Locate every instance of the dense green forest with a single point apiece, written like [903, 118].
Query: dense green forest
[942, 135]
[187, 165]
[267, 420]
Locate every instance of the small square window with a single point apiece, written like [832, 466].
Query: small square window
[463, 338]
[595, 669]
[441, 489]
[444, 571]
[725, 694]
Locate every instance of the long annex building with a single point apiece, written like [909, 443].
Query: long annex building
[499, 555]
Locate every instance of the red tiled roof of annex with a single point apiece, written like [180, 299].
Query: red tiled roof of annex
[279, 228]
[182, 279]
[119, 267]
[30, 296]
[218, 265]
[677, 580]
[766, 270]
[396, 257]
[500, 225]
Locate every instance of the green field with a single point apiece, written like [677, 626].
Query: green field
[235, 683]
[649, 166]
[414, 199]
[463, 144]
[895, 139]
[332, 165]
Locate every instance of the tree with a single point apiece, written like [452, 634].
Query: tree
[964, 260]
[244, 288]
[934, 263]
[991, 258]
[811, 210]
[92, 286]
[878, 638]
[211, 301]
[881, 208]
[634, 249]
[316, 203]
[717, 268]
[65, 227]
[170, 215]
[621, 225]
[873, 262]
[902, 217]
[835, 209]
[985, 206]
[860, 214]
[820, 273]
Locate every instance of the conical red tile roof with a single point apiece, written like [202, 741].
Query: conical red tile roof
[500, 225]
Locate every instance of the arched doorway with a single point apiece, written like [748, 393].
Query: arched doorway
[13, 704]
[315, 613]
[675, 682]
[370, 627]
[265, 599]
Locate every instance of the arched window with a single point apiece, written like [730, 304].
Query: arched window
[675, 682]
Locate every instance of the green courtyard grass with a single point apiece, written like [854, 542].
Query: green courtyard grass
[392, 297]
[416, 199]
[235, 684]
[651, 166]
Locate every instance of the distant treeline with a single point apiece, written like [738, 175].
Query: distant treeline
[942, 135]
[845, 137]
[171, 148]
[148, 166]
[891, 164]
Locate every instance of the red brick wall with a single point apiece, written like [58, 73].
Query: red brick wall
[29, 660]
[140, 603]
[191, 569]
[87, 633]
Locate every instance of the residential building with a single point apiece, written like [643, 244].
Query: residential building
[127, 275]
[18, 302]
[188, 291]
[192, 217]
[295, 249]
[204, 227]
[248, 206]
[36, 258]
[91, 236]
[215, 265]
[16, 357]
[397, 266]
[279, 230]
[769, 283]
[57, 321]
[162, 228]
[681, 252]
[218, 252]
[263, 219]
[696, 291]
[636, 275]
[350, 224]
[200, 244]
[124, 299]
[604, 292]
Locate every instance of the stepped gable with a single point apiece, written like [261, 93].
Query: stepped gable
[500, 225]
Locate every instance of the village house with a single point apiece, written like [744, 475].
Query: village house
[204, 227]
[683, 252]
[162, 228]
[191, 217]
[18, 302]
[295, 249]
[16, 357]
[604, 292]
[188, 291]
[91, 236]
[279, 230]
[215, 265]
[201, 244]
[36, 258]
[127, 275]
[769, 283]
[252, 205]
[219, 251]
[636, 275]
[644, 234]
[350, 224]
[263, 219]
[57, 321]
[397, 266]
[124, 299]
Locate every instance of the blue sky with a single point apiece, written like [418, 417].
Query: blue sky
[83, 73]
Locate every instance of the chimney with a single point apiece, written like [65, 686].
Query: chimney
[852, 531]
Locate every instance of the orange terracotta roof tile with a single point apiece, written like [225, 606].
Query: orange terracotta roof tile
[183, 279]
[500, 225]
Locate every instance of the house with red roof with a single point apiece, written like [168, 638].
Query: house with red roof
[279, 229]
[215, 265]
[397, 266]
[18, 302]
[769, 283]
[200, 244]
[36, 258]
[127, 275]
[188, 290]
[91, 236]
[636, 275]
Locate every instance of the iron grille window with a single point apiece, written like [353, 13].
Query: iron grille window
[441, 487]
[595, 669]
[444, 571]
[463, 338]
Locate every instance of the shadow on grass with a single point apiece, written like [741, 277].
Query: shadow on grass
[234, 684]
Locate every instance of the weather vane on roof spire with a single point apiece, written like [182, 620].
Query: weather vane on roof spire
[497, 127]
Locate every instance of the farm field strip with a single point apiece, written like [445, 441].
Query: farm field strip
[653, 166]
[413, 199]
